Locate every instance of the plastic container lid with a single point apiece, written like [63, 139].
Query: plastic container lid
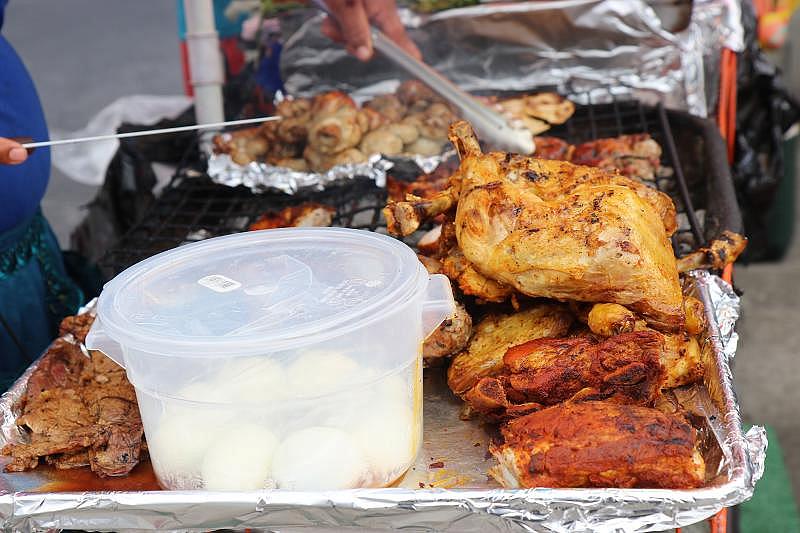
[276, 288]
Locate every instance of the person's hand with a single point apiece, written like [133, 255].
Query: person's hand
[351, 26]
[11, 152]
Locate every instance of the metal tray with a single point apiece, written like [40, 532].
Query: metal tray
[446, 490]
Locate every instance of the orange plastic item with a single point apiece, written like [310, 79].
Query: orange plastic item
[726, 115]
[719, 522]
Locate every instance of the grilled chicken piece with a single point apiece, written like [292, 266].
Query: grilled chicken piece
[58, 422]
[425, 186]
[553, 148]
[551, 107]
[78, 411]
[610, 319]
[470, 281]
[334, 125]
[680, 352]
[635, 156]
[624, 368]
[722, 251]
[450, 337]
[296, 113]
[307, 214]
[387, 105]
[553, 229]
[599, 444]
[695, 315]
[495, 333]
[77, 325]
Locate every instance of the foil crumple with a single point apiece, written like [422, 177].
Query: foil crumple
[592, 51]
[262, 177]
[588, 48]
[455, 496]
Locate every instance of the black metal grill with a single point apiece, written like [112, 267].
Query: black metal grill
[192, 207]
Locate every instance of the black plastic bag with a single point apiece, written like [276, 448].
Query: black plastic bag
[765, 111]
[127, 191]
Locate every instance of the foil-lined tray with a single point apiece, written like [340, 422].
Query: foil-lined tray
[261, 177]
[446, 490]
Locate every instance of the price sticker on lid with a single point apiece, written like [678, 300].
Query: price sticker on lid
[219, 283]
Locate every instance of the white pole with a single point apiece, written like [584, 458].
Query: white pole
[205, 60]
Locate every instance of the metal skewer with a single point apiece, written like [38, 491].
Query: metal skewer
[194, 127]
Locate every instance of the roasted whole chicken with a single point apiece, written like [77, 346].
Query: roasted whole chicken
[599, 444]
[553, 229]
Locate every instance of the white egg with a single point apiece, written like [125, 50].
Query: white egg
[318, 458]
[180, 441]
[252, 380]
[239, 459]
[394, 389]
[317, 373]
[388, 435]
[202, 391]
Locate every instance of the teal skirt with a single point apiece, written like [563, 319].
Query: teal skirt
[35, 294]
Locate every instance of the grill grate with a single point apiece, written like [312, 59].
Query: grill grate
[193, 208]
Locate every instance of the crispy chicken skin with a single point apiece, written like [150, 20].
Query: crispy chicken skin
[495, 333]
[553, 148]
[553, 229]
[334, 126]
[636, 156]
[308, 214]
[598, 444]
[450, 337]
[680, 352]
[624, 368]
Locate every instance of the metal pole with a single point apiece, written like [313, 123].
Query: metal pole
[205, 60]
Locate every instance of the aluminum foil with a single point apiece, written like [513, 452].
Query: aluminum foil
[575, 46]
[447, 489]
[592, 50]
[261, 177]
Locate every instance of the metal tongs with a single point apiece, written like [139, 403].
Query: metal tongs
[491, 126]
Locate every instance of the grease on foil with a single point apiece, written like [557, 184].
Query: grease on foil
[460, 448]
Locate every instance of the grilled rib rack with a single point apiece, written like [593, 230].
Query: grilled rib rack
[193, 208]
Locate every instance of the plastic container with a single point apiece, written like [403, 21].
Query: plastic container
[284, 358]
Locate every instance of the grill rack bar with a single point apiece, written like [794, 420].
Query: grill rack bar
[192, 207]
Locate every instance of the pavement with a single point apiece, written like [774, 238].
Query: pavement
[84, 54]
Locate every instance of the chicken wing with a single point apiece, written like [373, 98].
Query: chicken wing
[722, 251]
[599, 444]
